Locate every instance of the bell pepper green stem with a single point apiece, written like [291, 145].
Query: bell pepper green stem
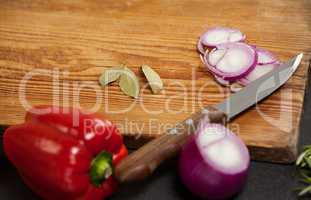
[101, 168]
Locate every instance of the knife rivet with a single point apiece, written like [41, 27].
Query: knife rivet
[205, 111]
[207, 119]
[173, 131]
[189, 122]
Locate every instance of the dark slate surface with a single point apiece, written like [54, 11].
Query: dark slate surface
[266, 181]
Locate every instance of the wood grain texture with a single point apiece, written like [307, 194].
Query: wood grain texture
[79, 39]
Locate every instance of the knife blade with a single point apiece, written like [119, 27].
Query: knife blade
[259, 89]
[145, 160]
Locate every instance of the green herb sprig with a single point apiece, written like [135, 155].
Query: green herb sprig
[303, 163]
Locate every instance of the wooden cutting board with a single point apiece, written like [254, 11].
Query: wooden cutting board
[72, 42]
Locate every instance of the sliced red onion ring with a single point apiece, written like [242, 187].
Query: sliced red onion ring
[222, 81]
[231, 61]
[220, 35]
[257, 72]
[200, 47]
[235, 87]
[202, 57]
[265, 57]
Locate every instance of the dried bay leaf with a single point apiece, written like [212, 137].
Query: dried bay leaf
[129, 83]
[153, 78]
[111, 75]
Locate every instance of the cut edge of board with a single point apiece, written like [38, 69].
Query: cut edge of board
[284, 155]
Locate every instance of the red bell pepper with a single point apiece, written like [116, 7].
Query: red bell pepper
[65, 154]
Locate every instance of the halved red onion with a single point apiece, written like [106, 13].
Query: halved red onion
[214, 162]
[265, 57]
[257, 72]
[231, 61]
[220, 35]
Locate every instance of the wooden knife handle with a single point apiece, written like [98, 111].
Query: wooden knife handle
[146, 159]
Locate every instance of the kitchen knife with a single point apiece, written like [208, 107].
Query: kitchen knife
[146, 159]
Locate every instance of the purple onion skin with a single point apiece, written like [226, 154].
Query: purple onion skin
[222, 74]
[194, 171]
[219, 27]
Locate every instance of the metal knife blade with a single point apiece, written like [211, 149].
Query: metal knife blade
[259, 89]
